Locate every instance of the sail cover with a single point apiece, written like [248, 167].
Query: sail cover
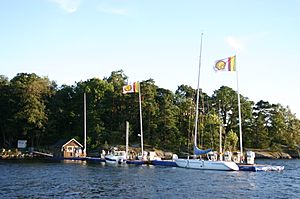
[198, 151]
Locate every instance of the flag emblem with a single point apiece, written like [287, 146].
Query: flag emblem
[220, 65]
[131, 88]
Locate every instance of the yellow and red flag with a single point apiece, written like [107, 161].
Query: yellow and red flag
[131, 88]
[227, 64]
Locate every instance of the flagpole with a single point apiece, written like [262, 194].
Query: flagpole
[141, 121]
[239, 109]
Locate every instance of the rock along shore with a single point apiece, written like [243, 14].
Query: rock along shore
[272, 154]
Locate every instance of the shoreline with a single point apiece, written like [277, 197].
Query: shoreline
[275, 154]
[259, 154]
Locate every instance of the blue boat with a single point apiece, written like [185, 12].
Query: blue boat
[137, 162]
[167, 163]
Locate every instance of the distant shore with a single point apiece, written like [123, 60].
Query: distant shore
[259, 154]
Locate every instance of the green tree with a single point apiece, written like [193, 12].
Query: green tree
[293, 130]
[96, 92]
[261, 122]
[231, 141]
[205, 129]
[30, 93]
[150, 111]
[278, 126]
[212, 127]
[185, 97]
[64, 117]
[284, 129]
[168, 131]
[115, 112]
[6, 117]
[228, 100]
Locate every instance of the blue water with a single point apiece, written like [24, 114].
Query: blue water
[96, 180]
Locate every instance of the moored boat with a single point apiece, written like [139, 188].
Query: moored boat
[207, 165]
[200, 163]
[137, 162]
[167, 163]
[116, 157]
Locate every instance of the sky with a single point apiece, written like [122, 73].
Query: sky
[75, 40]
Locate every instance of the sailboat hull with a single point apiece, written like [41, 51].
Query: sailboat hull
[207, 165]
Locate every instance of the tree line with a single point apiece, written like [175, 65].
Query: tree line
[36, 109]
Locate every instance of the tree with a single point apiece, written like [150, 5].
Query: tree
[30, 93]
[150, 109]
[212, 129]
[115, 112]
[231, 141]
[6, 117]
[64, 115]
[185, 97]
[261, 122]
[284, 129]
[168, 131]
[227, 99]
[278, 126]
[96, 92]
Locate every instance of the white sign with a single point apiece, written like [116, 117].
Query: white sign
[22, 144]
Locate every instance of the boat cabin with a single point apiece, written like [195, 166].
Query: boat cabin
[72, 149]
[153, 156]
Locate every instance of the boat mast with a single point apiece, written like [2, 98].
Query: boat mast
[198, 91]
[127, 139]
[84, 116]
[220, 138]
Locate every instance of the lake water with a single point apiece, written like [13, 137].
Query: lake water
[96, 180]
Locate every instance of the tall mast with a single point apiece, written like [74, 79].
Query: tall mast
[141, 120]
[127, 138]
[220, 138]
[198, 91]
[84, 116]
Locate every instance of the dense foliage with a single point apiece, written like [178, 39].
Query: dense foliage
[36, 109]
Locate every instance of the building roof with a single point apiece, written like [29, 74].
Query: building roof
[73, 139]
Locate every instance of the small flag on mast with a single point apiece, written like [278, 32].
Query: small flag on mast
[227, 64]
[131, 88]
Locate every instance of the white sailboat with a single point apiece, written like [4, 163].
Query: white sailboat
[201, 163]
